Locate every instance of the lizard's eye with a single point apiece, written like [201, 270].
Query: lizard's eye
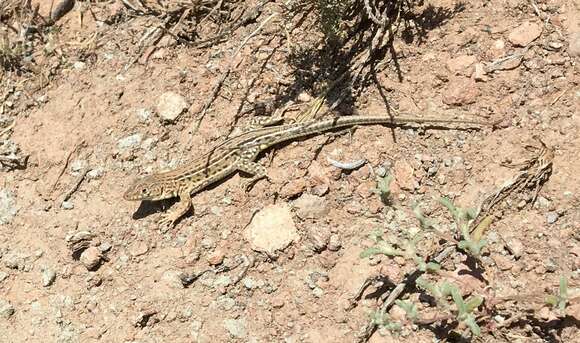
[144, 191]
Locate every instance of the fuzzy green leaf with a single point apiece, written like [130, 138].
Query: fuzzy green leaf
[409, 307]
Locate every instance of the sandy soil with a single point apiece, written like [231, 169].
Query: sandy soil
[95, 267]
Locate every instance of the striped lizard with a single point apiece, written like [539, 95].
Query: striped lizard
[239, 154]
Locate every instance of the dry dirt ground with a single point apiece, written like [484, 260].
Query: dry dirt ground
[95, 267]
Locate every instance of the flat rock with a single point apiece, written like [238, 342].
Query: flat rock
[310, 206]
[459, 64]
[525, 34]
[272, 229]
[170, 105]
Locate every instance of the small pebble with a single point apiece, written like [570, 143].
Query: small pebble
[67, 205]
[3, 276]
[105, 246]
[91, 258]
[6, 309]
[143, 114]
[551, 265]
[217, 257]
[95, 173]
[516, 247]
[248, 283]
[207, 243]
[79, 65]
[334, 243]
[48, 277]
[138, 248]
[130, 141]
[551, 217]
[319, 238]
[170, 105]
[318, 292]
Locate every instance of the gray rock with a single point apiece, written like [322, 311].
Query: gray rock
[96, 173]
[130, 142]
[67, 205]
[7, 206]
[207, 243]
[105, 246]
[272, 229]
[318, 292]
[170, 105]
[79, 65]
[551, 265]
[334, 242]
[552, 217]
[249, 283]
[48, 277]
[236, 327]
[6, 309]
[143, 114]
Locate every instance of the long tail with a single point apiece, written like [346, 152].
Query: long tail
[308, 128]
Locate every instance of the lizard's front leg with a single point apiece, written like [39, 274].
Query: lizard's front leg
[178, 210]
[257, 171]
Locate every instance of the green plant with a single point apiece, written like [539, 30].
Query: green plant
[384, 188]
[407, 249]
[464, 308]
[463, 219]
[561, 299]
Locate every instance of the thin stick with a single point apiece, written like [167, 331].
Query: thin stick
[82, 143]
[76, 185]
[8, 128]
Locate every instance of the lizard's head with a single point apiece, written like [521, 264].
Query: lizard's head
[147, 188]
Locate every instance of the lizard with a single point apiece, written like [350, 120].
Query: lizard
[239, 154]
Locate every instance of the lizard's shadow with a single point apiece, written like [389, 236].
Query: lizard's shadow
[147, 208]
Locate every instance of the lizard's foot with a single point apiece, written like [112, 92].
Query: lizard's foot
[248, 185]
[168, 220]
